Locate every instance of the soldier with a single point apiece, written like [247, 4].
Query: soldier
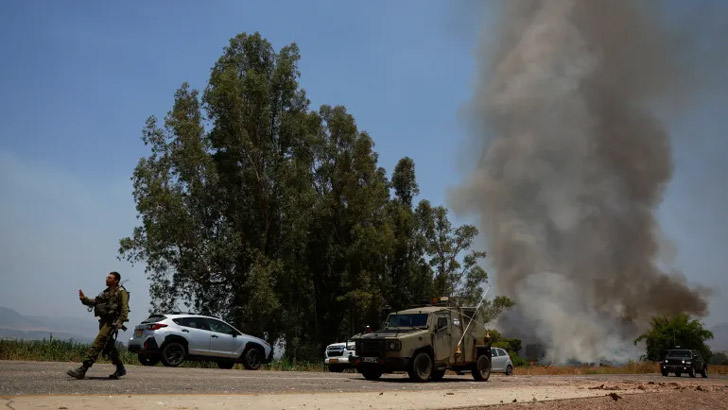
[112, 308]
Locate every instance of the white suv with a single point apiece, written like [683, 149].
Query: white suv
[173, 338]
[338, 356]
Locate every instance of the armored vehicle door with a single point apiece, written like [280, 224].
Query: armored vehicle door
[442, 343]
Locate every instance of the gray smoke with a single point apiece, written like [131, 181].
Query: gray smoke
[573, 167]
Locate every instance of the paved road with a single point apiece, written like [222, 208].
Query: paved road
[30, 378]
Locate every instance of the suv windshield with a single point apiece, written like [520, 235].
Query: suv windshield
[679, 353]
[413, 320]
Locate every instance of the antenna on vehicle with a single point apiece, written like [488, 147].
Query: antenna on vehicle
[457, 350]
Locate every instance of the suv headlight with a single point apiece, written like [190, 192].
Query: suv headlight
[665, 360]
[683, 361]
[394, 345]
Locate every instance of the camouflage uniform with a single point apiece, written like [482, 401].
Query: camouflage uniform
[110, 307]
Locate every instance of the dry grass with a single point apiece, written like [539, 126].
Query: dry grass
[630, 368]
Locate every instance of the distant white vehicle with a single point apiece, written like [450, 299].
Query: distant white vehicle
[339, 356]
[500, 361]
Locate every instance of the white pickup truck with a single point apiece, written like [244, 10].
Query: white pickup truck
[337, 356]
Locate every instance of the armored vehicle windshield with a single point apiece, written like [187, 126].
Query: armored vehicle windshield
[418, 320]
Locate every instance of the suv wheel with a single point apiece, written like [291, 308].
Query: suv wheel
[691, 372]
[481, 370]
[421, 368]
[225, 365]
[173, 354]
[704, 372]
[665, 373]
[371, 374]
[509, 370]
[253, 358]
[147, 360]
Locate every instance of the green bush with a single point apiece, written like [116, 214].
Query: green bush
[518, 361]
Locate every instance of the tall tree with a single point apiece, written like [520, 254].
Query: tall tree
[408, 278]
[279, 218]
[349, 239]
[670, 332]
[231, 193]
[457, 267]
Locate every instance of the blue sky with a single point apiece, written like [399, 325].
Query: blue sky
[78, 79]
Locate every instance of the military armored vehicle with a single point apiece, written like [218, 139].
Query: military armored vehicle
[425, 342]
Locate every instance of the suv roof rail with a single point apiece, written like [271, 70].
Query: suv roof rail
[174, 312]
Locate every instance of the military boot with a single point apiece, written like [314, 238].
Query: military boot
[79, 373]
[120, 371]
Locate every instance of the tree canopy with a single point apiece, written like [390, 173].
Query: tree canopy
[677, 331]
[279, 218]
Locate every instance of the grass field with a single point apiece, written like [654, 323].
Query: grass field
[65, 351]
[68, 351]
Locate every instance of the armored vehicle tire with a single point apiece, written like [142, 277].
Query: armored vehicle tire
[173, 354]
[704, 372]
[253, 358]
[147, 360]
[509, 370]
[336, 368]
[481, 370]
[421, 367]
[438, 375]
[665, 373]
[226, 365]
[678, 374]
[371, 374]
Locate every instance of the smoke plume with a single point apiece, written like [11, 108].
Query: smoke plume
[573, 167]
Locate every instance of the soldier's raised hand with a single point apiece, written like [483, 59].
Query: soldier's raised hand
[80, 294]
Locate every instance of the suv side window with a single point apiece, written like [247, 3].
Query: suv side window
[503, 352]
[193, 322]
[220, 327]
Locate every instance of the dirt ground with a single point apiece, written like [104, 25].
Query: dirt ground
[33, 385]
[657, 396]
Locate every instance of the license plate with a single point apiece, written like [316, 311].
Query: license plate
[333, 360]
[139, 333]
[370, 360]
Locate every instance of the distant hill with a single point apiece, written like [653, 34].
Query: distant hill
[18, 326]
[719, 343]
